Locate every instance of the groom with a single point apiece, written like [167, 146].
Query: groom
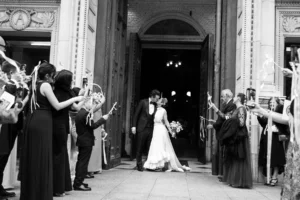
[143, 121]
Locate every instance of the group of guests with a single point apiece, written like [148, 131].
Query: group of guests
[232, 135]
[45, 121]
[234, 145]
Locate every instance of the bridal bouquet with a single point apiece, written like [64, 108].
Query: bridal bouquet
[175, 127]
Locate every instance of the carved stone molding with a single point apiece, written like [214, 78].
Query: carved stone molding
[287, 25]
[22, 18]
[291, 23]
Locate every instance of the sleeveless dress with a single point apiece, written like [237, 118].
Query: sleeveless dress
[161, 150]
[61, 129]
[36, 167]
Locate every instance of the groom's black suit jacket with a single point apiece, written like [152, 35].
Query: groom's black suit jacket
[141, 117]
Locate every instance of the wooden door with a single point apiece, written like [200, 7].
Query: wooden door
[133, 91]
[206, 69]
[116, 81]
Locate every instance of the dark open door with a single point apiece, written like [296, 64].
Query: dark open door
[133, 92]
[206, 69]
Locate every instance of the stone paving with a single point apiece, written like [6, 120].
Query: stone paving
[124, 183]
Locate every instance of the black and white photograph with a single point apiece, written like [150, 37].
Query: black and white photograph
[150, 99]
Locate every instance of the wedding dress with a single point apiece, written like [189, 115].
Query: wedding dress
[161, 150]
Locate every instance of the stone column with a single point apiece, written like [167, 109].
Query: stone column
[99, 70]
[67, 13]
[267, 46]
[255, 40]
[231, 26]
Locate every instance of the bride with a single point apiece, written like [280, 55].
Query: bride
[161, 151]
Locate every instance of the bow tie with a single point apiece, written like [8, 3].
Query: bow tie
[153, 103]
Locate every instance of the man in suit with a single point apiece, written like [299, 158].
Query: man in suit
[227, 109]
[143, 121]
[86, 141]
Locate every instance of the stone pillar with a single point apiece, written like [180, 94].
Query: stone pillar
[267, 46]
[230, 42]
[66, 34]
[76, 38]
[255, 40]
[99, 70]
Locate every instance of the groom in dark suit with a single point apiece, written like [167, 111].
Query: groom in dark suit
[143, 121]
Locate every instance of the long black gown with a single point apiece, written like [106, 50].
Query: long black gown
[277, 149]
[61, 129]
[36, 167]
[234, 136]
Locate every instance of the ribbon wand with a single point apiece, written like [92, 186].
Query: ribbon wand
[10, 61]
[113, 108]
[209, 97]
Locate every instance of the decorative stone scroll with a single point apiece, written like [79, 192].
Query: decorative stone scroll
[20, 19]
[291, 24]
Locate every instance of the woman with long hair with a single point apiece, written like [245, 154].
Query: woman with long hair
[234, 137]
[277, 149]
[37, 160]
[61, 129]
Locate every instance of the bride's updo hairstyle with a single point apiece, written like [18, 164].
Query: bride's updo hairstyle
[164, 102]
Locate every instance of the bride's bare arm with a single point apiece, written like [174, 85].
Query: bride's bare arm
[167, 121]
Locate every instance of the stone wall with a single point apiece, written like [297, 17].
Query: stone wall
[203, 11]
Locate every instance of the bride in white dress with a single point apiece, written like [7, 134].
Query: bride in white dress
[161, 150]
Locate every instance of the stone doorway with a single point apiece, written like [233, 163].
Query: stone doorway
[170, 34]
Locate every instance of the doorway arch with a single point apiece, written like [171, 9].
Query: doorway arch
[172, 18]
[160, 32]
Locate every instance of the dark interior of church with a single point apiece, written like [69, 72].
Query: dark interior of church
[175, 73]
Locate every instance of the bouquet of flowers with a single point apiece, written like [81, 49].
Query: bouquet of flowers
[175, 127]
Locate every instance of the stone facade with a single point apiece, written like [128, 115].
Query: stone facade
[140, 11]
[72, 25]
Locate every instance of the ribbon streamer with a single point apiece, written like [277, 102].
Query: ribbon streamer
[11, 61]
[34, 75]
[103, 146]
[269, 148]
[209, 97]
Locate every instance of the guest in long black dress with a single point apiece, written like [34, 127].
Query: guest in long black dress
[61, 129]
[280, 131]
[234, 136]
[37, 168]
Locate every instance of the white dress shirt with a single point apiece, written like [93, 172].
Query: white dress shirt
[151, 107]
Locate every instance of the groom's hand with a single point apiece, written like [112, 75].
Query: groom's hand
[133, 130]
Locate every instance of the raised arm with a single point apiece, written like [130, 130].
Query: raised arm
[276, 117]
[47, 91]
[77, 106]
[222, 115]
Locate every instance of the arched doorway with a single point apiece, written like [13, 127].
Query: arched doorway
[176, 38]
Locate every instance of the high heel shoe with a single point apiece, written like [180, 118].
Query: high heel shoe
[59, 194]
[273, 182]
